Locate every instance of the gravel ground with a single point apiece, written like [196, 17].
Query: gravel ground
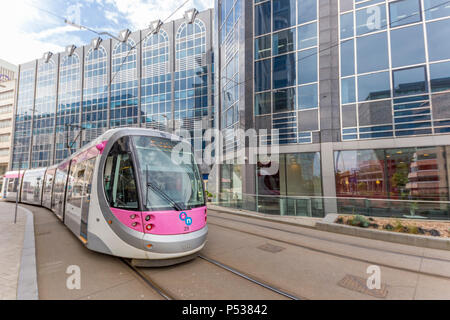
[442, 226]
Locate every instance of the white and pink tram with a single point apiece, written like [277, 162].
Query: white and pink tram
[132, 193]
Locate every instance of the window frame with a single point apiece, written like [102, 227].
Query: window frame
[131, 152]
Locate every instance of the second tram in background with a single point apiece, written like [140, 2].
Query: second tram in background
[132, 193]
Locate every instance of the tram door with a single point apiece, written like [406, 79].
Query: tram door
[86, 196]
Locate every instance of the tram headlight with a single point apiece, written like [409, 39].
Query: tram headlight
[134, 224]
[149, 227]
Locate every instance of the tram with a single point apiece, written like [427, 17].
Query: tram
[132, 193]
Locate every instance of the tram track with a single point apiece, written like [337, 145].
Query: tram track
[311, 248]
[249, 278]
[149, 281]
[326, 239]
[164, 293]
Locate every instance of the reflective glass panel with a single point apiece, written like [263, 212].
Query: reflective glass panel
[372, 52]
[436, 9]
[348, 90]
[262, 75]
[307, 10]
[409, 81]
[284, 100]
[440, 76]
[284, 74]
[347, 25]
[263, 103]
[262, 19]
[404, 12]
[307, 66]
[307, 97]
[438, 40]
[347, 58]
[307, 36]
[283, 41]
[374, 86]
[407, 46]
[371, 19]
[262, 47]
[283, 14]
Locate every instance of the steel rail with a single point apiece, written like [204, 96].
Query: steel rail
[338, 254]
[242, 275]
[163, 293]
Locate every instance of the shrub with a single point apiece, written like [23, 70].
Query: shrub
[359, 221]
[398, 226]
[414, 230]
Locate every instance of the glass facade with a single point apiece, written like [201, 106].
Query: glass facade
[95, 94]
[151, 79]
[24, 117]
[402, 175]
[295, 189]
[191, 79]
[230, 20]
[286, 67]
[44, 115]
[390, 53]
[69, 104]
[124, 86]
[156, 83]
[385, 74]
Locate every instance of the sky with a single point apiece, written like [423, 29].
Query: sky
[30, 27]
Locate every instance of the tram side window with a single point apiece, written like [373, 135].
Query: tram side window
[120, 183]
[76, 181]
[12, 185]
[88, 175]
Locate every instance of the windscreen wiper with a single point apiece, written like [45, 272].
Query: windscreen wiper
[162, 194]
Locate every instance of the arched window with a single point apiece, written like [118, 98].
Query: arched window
[95, 95]
[124, 86]
[156, 82]
[22, 130]
[191, 45]
[68, 112]
[44, 115]
[191, 75]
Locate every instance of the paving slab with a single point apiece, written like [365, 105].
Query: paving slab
[102, 276]
[314, 271]
[11, 244]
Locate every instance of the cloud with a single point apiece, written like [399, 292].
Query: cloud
[18, 44]
[140, 13]
[29, 32]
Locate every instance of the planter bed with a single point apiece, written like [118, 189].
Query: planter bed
[404, 231]
[406, 226]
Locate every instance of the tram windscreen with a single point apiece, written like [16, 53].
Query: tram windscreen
[170, 177]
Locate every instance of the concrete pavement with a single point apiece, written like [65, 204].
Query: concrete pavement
[17, 254]
[298, 259]
[313, 264]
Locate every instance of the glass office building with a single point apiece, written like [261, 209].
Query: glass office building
[160, 78]
[359, 91]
